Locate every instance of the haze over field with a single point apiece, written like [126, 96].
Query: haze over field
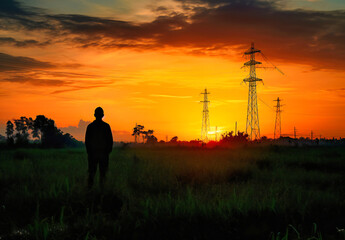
[148, 62]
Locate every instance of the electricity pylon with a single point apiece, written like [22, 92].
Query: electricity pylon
[277, 126]
[294, 132]
[205, 118]
[252, 126]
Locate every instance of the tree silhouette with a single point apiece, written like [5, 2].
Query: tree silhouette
[137, 130]
[263, 138]
[9, 133]
[42, 128]
[151, 139]
[37, 126]
[143, 135]
[174, 139]
[22, 135]
[149, 132]
[148, 135]
[48, 133]
[228, 137]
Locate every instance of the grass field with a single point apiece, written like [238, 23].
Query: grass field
[175, 193]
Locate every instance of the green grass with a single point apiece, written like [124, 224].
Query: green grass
[175, 193]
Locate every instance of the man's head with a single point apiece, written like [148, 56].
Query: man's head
[99, 114]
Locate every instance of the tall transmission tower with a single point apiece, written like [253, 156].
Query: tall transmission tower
[205, 117]
[252, 126]
[277, 126]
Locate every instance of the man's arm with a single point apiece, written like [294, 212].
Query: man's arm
[87, 139]
[110, 139]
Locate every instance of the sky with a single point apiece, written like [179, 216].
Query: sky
[148, 61]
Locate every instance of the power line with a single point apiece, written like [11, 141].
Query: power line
[274, 66]
[267, 104]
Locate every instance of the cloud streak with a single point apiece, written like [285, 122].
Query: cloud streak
[30, 71]
[169, 96]
[77, 88]
[34, 81]
[18, 63]
[22, 43]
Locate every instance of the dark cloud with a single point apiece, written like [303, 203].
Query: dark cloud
[34, 81]
[23, 43]
[62, 85]
[243, 3]
[17, 63]
[11, 7]
[94, 29]
[70, 75]
[211, 27]
[16, 16]
[160, 9]
[25, 70]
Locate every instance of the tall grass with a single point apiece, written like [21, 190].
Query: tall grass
[172, 193]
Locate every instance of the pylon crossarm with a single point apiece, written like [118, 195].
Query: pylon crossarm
[251, 62]
[252, 51]
[252, 79]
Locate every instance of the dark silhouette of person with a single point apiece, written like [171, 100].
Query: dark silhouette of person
[99, 144]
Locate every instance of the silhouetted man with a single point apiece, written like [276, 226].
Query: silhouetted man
[99, 143]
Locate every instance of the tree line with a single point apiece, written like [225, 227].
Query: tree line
[138, 131]
[42, 131]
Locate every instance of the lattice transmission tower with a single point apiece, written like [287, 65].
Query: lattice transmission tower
[277, 126]
[205, 117]
[252, 126]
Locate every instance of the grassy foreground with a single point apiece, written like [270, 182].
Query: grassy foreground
[175, 193]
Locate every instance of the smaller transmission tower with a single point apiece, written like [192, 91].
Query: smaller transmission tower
[294, 132]
[205, 117]
[277, 126]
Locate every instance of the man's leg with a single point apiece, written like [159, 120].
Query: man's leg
[92, 170]
[103, 168]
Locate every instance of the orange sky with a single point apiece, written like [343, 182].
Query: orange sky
[159, 87]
